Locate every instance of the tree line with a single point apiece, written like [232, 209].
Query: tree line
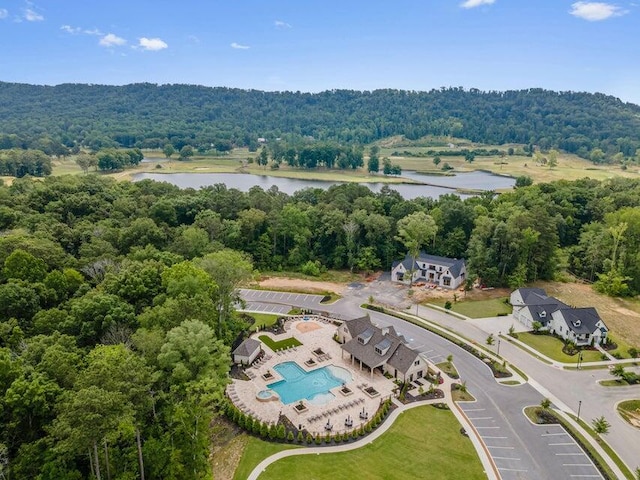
[98, 116]
[117, 299]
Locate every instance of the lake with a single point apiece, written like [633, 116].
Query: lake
[438, 185]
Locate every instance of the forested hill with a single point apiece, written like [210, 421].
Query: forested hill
[148, 115]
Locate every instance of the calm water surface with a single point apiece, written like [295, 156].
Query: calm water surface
[438, 185]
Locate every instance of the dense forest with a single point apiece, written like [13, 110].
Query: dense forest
[63, 118]
[117, 299]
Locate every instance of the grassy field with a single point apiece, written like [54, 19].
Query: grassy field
[254, 452]
[479, 308]
[286, 343]
[552, 348]
[570, 167]
[424, 441]
[262, 319]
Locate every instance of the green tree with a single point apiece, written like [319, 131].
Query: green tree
[22, 265]
[168, 150]
[229, 269]
[437, 160]
[186, 152]
[373, 164]
[414, 231]
[600, 425]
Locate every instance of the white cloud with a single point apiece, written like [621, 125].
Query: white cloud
[239, 47]
[595, 11]
[111, 40]
[152, 44]
[4, 13]
[31, 15]
[93, 31]
[281, 24]
[70, 29]
[476, 3]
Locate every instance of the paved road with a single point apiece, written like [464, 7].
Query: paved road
[519, 449]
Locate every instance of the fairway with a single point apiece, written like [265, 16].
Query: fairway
[424, 442]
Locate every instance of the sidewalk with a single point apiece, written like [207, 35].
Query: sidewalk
[487, 462]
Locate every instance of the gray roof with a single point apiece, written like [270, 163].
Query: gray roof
[357, 325]
[581, 320]
[247, 348]
[403, 358]
[453, 264]
[382, 338]
[525, 292]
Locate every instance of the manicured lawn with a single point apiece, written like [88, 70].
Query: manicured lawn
[614, 383]
[480, 308]
[263, 320]
[448, 368]
[623, 347]
[255, 451]
[552, 348]
[286, 343]
[424, 442]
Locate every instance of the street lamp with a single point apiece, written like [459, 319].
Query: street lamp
[498, 351]
[579, 405]
[579, 359]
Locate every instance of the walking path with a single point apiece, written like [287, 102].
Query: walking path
[485, 458]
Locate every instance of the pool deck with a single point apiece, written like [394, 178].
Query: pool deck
[314, 419]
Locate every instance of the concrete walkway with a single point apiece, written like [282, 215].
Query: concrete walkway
[485, 458]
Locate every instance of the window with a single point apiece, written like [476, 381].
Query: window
[432, 267]
[416, 363]
[446, 281]
[378, 351]
[361, 340]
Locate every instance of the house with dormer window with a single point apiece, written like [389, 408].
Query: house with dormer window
[583, 326]
[379, 349]
[439, 271]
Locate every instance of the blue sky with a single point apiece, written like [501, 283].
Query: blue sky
[318, 45]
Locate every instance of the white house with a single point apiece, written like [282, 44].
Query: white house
[247, 352]
[441, 271]
[580, 325]
[372, 348]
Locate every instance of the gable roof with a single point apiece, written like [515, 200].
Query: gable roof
[403, 358]
[357, 325]
[525, 292]
[247, 347]
[581, 320]
[453, 264]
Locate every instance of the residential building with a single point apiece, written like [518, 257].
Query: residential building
[440, 271]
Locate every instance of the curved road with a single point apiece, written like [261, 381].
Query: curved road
[519, 449]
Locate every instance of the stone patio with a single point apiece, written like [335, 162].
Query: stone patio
[314, 332]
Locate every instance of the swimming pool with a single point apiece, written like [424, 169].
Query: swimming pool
[312, 386]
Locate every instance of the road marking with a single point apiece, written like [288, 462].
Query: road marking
[480, 418]
[577, 465]
[495, 446]
[552, 434]
[590, 476]
[568, 454]
[485, 427]
[502, 438]
[506, 458]
[567, 443]
[512, 469]
[474, 409]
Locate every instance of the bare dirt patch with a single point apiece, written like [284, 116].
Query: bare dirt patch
[424, 295]
[300, 285]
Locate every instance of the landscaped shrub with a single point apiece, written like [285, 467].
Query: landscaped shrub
[318, 439]
[633, 352]
[281, 432]
[273, 432]
[447, 305]
[290, 436]
[368, 427]
[264, 430]
[309, 439]
[327, 438]
[338, 437]
[300, 437]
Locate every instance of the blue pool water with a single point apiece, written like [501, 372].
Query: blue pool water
[313, 386]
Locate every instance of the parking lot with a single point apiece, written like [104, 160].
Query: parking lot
[552, 447]
[278, 302]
